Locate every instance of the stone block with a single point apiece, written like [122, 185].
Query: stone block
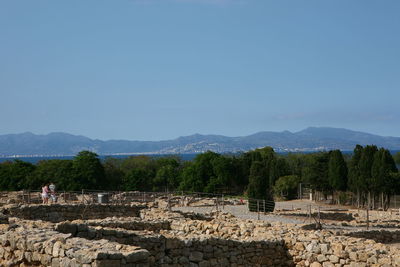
[196, 256]
[106, 263]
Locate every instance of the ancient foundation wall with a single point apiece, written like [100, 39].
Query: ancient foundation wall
[181, 251]
[161, 238]
[62, 212]
[44, 247]
[382, 236]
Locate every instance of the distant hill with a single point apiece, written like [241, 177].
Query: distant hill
[310, 139]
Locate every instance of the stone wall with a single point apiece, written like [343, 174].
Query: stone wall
[130, 223]
[64, 212]
[44, 247]
[162, 238]
[175, 250]
[382, 236]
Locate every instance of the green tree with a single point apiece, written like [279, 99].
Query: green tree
[166, 179]
[355, 182]
[15, 175]
[381, 175]
[316, 172]
[365, 166]
[337, 171]
[278, 167]
[258, 187]
[137, 180]
[189, 179]
[286, 186]
[113, 173]
[396, 158]
[60, 172]
[88, 171]
[196, 176]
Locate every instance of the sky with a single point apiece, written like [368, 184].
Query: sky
[160, 69]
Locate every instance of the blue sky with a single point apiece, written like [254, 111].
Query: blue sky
[159, 69]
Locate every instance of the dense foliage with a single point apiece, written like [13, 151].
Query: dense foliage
[370, 172]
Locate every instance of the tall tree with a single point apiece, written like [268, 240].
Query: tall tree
[381, 175]
[355, 183]
[60, 172]
[258, 187]
[337, 171]
[365, 165]
[316, 172]
[88, 171]
[396, 158]
[16, 175]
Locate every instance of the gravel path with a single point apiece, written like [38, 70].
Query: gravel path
[241, 211]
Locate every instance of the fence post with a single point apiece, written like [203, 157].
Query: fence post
[216, 203]
[169, 202]
[367, 218]
[264, 206]
[65, 197]
[83, 201]
[144, 196]
[258, 209]
[319, 216]
[309, 213]
[300, 192]
[29, 196]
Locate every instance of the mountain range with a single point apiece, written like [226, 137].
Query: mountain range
[310, 139]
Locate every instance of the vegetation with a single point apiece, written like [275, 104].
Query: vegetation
[286, 186]
[370, 173]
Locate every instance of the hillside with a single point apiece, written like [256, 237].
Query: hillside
[310, 139]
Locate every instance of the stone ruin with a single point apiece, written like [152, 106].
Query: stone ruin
[109, 235]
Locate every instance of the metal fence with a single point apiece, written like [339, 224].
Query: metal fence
[178, 198]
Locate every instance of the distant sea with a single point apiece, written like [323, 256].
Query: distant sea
[184, 157]
[34, 160]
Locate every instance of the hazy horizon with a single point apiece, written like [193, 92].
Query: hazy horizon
[160, 69]
[204, 134]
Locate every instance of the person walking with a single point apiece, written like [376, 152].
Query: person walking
[45, 194]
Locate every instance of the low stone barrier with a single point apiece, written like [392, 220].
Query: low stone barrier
[163, 238]
[382, 236]
[176, 250]
[44, 247]
[130, 223]
[64, 212]
[323, 215]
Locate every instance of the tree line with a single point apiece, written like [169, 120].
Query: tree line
[369, 172]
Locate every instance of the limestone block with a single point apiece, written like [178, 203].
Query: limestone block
[196, 256]
[299, 246]
[333, 258]
[140, 255]
[321, 258]
[106, 263]
[55, 262]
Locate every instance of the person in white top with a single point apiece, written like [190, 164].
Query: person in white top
[53, 196]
